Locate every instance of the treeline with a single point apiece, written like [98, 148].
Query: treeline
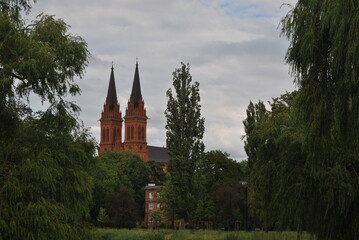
[118, 191]
[303, 152]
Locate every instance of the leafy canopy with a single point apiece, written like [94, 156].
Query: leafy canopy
[44, 156]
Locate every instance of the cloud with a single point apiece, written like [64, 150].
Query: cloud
[233, 47]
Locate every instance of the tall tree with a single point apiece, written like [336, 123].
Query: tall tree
[278, 145]
[324, 59]
[44, 156]
[255, 112]
[185, 129]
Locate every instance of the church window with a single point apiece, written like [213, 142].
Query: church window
[143, 133]
[139, 133]
[150, 195]
[107, 135]
[132, 132]
[128, 133]
[130, 147]
[114, 135]
[103, 135]
[150, 206]
[140, 148]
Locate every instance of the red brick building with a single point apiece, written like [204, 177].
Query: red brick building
[135, 124]
[152, 205]
[135, 133]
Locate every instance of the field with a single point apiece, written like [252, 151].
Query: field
[122, 234]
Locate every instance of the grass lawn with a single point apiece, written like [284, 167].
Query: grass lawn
[140, 234]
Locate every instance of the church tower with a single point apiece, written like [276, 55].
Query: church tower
[111, 120]
[136, 121]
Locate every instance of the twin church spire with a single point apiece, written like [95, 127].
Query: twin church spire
[111, 98]
[135, 121]
[136, 95]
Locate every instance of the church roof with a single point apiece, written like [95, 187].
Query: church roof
[157, 154]
[111, 98]
[136, 88]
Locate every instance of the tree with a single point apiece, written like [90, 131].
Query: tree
[323, 56]
[117, 173]
[220, 171]
[44, 185]
[255, 112]
[185, 128]
[276, 171]
[102, 218]
[122, 209]
[228, 199]
[158, 174]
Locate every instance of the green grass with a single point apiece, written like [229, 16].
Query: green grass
[123, 234]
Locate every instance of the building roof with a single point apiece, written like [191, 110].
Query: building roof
[152, 187]
[136, 95]
[111, 98]
[157, 154]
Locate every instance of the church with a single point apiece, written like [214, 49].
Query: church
[135, 135]
[135, 124]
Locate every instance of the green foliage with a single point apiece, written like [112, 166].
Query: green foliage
[122, 209]
[44, 157]
[185, 128]
[119, 181]
[113, 234]
[102, 217]
[323, 56]
[255, 112]
[158, 175]
[219, 169]
[45, 189]
[277, 169]
[222, 177]
[157, 216]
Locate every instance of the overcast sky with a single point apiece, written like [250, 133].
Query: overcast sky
[233, 46]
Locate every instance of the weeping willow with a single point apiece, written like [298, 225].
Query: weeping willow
[324, 59]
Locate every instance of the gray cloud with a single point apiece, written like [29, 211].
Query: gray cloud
[233, 47]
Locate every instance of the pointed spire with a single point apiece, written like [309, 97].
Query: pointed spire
[111, 99]
[136, 95]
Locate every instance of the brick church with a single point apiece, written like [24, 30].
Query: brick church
[135, 134]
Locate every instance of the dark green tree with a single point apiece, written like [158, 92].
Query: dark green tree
[324, 59]
[220, 171]
[114, 174]
[185, 128]
[158, 175]
[122, 210]
[255, 112]
[276, 171]
[44, 156]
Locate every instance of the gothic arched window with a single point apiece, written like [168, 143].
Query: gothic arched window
[132, 132]
[143, 133]
[128, 133]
